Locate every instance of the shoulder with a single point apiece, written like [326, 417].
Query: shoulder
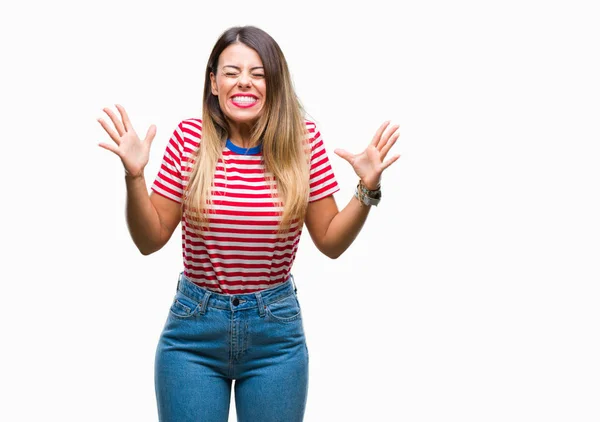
[311, 127]
[191, 127]
[312, 132]
[313, 136]
[190, 133]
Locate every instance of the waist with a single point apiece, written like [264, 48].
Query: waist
[240, 301]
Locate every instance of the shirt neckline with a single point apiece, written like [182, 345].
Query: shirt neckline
[243, 151]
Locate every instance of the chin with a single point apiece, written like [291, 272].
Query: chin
[243, 119]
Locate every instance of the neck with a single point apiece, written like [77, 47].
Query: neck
[241, 134]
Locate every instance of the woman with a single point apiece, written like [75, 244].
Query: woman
[243, 180]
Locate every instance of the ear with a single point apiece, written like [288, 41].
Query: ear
[213, 84]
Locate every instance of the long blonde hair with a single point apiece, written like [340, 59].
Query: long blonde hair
[280, 129]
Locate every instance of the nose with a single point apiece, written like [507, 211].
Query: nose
[244, 80]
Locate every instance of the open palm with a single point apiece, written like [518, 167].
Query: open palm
[133, 153]
[370, 163]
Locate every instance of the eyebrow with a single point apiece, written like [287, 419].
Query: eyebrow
[238, 68]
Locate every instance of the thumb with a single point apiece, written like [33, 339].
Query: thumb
[150, 134]
[344, 154]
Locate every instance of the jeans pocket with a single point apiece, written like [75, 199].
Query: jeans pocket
[284, 310]
[183, 306]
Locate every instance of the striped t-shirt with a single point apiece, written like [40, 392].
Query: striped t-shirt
[241, 251]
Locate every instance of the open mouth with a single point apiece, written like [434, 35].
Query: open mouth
[244, 101]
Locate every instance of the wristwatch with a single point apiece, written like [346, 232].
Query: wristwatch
[366, 196]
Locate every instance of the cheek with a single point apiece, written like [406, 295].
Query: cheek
[225, 87]
[222, 90]
[262, 87]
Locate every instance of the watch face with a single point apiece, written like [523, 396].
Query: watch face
[372, 194]
[374, 202]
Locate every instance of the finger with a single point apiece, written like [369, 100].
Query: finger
[344, 154]
[115, 120]
[109, 147]
[386, 136]
[389, 162]
[389, 145]
[114, 136]
[150, 134]
[124, 116]
[377, 136]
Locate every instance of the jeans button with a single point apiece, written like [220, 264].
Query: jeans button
[236, 301]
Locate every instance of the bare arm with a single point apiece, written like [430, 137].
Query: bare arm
[151, 219]
[333, 231]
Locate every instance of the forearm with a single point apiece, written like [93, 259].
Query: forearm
[344, 228]
[143, 221]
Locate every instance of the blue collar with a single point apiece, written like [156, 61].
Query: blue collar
[243, 151]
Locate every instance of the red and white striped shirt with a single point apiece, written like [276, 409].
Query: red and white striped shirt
[241, 251]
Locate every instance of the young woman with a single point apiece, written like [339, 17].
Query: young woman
[243, 181]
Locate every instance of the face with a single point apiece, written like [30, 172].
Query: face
[240, 84]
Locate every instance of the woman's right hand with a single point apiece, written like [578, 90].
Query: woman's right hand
[134, 153]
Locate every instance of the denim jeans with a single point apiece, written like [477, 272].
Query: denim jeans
[212, 339]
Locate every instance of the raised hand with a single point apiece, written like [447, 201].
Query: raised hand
[370, 163]
[134, 153]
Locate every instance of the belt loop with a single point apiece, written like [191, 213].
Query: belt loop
[204, 303]
[294, 283]
[179, 280]
[260, 304]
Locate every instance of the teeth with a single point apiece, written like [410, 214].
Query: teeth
[241, 99]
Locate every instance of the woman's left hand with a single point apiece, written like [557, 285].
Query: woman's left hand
[369, 164]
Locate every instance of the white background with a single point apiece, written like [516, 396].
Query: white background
[470, 295]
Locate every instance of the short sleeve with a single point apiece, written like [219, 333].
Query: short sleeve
[169, 180]
[322, 179]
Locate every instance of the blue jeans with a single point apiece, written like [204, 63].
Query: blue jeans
[211, 339]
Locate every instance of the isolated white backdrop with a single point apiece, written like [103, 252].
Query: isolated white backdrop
[471, 293]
